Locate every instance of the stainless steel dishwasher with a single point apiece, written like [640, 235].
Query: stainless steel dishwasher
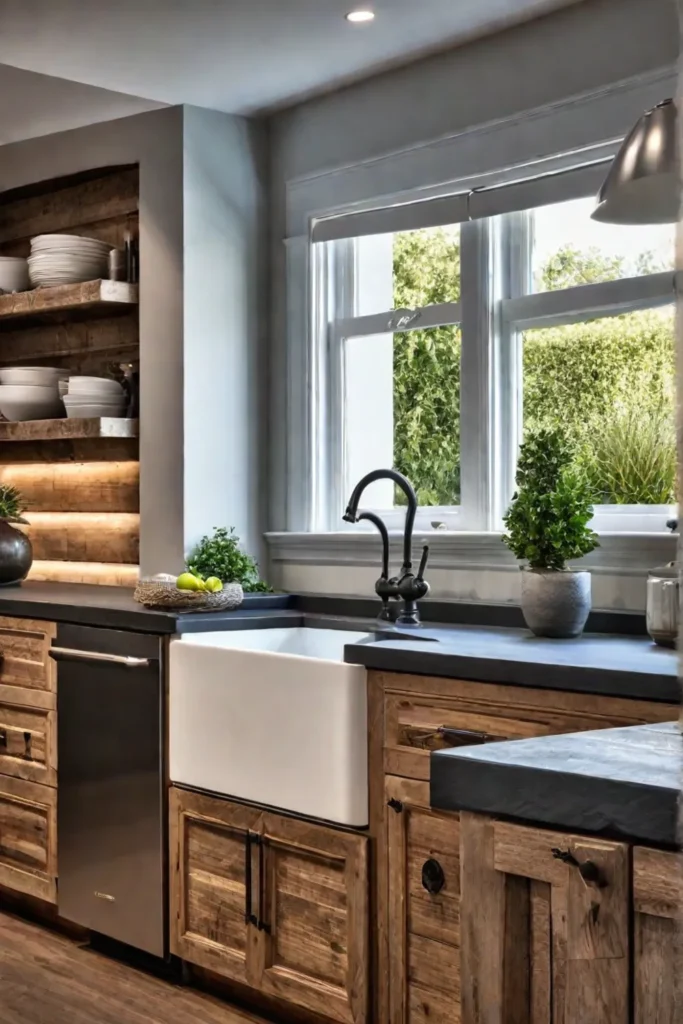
[111, 808]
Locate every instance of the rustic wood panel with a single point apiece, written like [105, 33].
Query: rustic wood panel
[88, 298]
[85, 572]
[67, 429]
[65, 207]
[85, 536]
[76, 345]
[657, 883]
[28, 838]
[76, 487]
[658, 936]
[431, 1007]
[413, 722]
[28, 743]
[27, 673]
[540, 995]
[93, 449]
[208, 894]
[315, 902]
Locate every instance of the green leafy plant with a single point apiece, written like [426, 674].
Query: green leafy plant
[547, 522]
[12, 506]
[634, 457]
[220, 555]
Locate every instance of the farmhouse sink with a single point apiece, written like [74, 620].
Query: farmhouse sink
[272, 716]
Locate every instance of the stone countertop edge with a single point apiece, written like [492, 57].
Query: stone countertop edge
[619, 801]
[639, 682]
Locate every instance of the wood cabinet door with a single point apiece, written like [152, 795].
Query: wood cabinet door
[423, 907]
[544, 922]
[28, 838]
[28, 743]
[658, 944]
[213, 860]
[313, 918]
[27, 674]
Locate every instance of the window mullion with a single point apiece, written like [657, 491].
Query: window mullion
[476, 412]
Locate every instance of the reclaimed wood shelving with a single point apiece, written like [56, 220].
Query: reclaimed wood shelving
[90, 299]
[68, 429]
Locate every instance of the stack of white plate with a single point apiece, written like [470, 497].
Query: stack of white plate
[67, 259]
[31, 392]
[94, 397]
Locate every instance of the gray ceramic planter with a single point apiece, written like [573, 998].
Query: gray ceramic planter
[556, 604]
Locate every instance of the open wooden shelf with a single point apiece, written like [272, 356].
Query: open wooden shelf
[68, 429]
[87, 300]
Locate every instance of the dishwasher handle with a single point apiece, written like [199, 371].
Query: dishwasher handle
[69, 654]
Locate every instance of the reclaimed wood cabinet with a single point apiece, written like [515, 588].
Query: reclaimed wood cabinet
[28, 758]
[545, 926]
[658, 942]
[272, 902]
[416, 945]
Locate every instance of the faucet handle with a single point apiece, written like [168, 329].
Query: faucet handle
[423, 562]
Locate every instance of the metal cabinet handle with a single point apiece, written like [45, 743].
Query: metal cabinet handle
[433, 877]
[262, 926]
[67, 654]
[464, 737]
[249, 917]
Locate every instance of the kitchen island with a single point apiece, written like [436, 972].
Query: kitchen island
[579, 922]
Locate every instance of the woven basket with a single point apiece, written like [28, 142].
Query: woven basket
[154, 593]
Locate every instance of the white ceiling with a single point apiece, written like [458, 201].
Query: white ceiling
[240, 56]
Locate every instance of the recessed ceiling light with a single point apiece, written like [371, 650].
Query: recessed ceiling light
[360, 16]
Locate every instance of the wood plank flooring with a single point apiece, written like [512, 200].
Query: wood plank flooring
[46, 978]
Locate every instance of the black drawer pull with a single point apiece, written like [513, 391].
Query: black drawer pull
[589, 870]
[249, 917]
[433, 877]
[261, 924]
[395, 805]
[464, 737]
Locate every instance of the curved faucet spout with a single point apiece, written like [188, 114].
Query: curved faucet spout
[351, 514]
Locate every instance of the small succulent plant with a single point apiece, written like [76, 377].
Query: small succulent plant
[12, 506]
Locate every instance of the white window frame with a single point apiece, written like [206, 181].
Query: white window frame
[595, 121]
[491, 358]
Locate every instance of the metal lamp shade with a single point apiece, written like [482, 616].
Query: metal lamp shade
[642, 186]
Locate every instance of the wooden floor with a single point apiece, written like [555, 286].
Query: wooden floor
[46, 978]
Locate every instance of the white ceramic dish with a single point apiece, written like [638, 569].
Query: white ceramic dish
[13, 274]
[43, 376]
[96, 411]
[93, 385]
[30, 402]
[60, 242]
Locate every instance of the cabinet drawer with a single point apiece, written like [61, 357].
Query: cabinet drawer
[28, 748]
[27, 674]
[28, 838]
[451, 713]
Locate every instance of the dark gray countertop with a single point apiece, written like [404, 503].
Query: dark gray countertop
[114, 607]
[626, 666]
[613, 782]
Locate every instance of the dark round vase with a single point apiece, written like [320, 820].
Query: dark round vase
[16, 554]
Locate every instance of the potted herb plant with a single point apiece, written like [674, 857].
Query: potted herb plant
[16, 552]
[221, 556]
[547, 525]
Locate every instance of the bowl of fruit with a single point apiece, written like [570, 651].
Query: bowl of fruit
[188, 592]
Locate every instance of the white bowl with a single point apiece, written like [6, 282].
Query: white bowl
[44, 376]
[29, 402]
[13, 274]
[29, 392]
[94, 411]
[94, 385]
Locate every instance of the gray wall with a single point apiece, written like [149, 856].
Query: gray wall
[581, 48]
[224, 225]
[37, 105]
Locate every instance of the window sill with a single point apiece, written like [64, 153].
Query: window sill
[619, 554]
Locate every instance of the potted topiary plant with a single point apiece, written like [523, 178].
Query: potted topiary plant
[16, 552]
[547, 524]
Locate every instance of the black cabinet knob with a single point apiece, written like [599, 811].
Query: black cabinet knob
[433, 878]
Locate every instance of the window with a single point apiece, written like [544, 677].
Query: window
[446, 343]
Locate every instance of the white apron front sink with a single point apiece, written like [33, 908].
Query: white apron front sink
[272, 716]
